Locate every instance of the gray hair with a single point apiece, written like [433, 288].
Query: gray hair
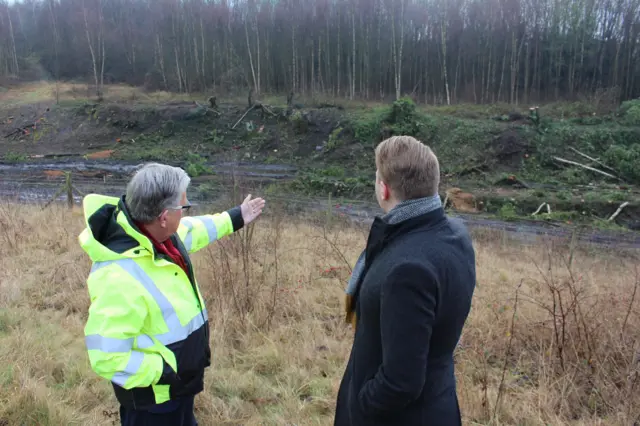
[153, 188]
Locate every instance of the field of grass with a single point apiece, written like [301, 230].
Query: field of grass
[552, 338]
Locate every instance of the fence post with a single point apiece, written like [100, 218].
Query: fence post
[68, 188]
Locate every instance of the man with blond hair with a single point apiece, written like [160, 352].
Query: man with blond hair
[408, 298]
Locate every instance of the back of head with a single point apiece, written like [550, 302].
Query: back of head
[408, 167]
[153, 188]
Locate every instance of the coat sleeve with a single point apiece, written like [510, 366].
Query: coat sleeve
[407, 313]
[116, 316]
[197, 232]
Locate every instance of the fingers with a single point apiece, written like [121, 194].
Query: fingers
[255, 205]
[256, 202]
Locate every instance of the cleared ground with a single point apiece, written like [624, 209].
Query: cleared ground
[572, 162]
[552, 338]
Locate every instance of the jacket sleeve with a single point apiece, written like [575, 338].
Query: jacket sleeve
[407, 313]
[197, 232]
[116, 316]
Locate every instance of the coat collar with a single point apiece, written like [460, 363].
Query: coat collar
[382, 233]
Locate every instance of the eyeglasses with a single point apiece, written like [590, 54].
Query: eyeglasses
[187, 207]
[184, 208]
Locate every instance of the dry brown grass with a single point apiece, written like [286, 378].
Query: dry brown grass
[278, 339]
[48, 92]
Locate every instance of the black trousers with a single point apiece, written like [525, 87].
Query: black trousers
[176, 413]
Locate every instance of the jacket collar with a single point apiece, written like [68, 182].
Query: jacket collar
[382, 233]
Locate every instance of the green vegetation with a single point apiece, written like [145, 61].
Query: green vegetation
[524, 145]
[196, 165]
[332, 181]
[482, 150]
[14, 157]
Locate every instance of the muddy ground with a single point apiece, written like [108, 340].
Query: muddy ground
[88, 128]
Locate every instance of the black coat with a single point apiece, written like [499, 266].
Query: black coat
[413, 298]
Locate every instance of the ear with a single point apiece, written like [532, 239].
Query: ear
[162, 219]
[386, 193]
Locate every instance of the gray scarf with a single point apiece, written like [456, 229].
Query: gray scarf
[403, 211]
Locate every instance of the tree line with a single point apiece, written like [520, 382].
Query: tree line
[437, 51]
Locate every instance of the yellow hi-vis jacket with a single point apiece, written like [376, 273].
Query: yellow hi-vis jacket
[147, 330]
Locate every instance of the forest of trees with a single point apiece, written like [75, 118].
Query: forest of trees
[437, 51]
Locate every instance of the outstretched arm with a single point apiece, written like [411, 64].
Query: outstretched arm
[407, 313]
[197, 232]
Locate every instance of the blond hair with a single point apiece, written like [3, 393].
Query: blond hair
[408, 167]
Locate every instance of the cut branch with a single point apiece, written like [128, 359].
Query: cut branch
[540, 208]
[622, 206]
[595, 160]
[243, 116]
[562, 160]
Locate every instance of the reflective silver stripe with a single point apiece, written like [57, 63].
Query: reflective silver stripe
[108, 344]
[100, 265]
[144, 342]
[176, 335]
[212, 230]
[135, 361]
[181, 333]
[177, 331]
[168, 313]
[188, 239]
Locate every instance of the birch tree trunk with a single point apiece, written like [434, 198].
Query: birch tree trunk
[13, 45]
[253, 71]
[93, 54]
[443, 40]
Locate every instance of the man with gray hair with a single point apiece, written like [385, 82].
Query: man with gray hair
[147, 330]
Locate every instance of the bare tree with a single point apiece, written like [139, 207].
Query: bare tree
[460, 50]
[98, 75]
